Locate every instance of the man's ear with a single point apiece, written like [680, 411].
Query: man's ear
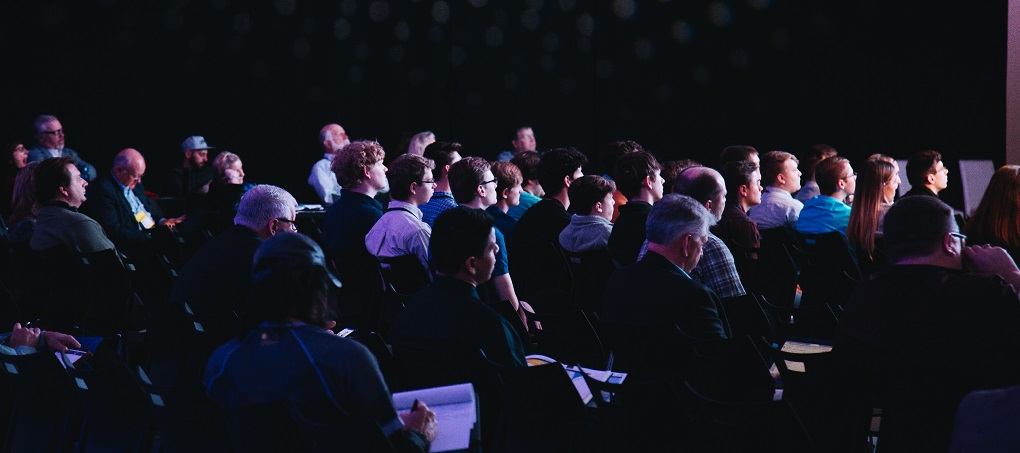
[781, 179]
[505, 193]
[365, 172]
[599, 207]
[412, 188]
[647, 182]
[566, 181]
[744, 190]
[930, 178]
[947, 244]
[469, 264]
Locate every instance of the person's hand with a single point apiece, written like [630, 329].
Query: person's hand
[422, 420]
[986, 259]
[23, 336]
[171, 223]
[60, 342]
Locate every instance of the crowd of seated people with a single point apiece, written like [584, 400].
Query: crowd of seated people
[675, 239]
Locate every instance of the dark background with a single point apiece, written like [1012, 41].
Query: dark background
[684, 78]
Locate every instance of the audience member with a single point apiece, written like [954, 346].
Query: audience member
[591, 203]
[24, 209]
[814, 155]
[120, 204]
[610, 154]
[49, 142]
[638, 177]
[671, 169]
[226, 191]
[736, 153]
[743, 191]
[523, 140]
[778, 208]
[400, 231]
[293, 358]
[60, 189]
[716, 269]
[827, 212]
[658, 289]
[419, 142]
[444, 154]
[873, 196]
[449, 312]
[531, 190]
[18, 159]
[996, 221]
[543, 222]
[191, 180]
[927, 174]
[322, 179]
[508, 195]
[933, 326]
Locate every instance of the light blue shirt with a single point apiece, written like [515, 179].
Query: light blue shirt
[133, 201]
[527, 200]
[822, 214]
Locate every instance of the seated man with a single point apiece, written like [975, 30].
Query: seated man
[736, 153]
[449, 313]
[508, 195]
[827, 212]
[523, 141]
[61, 190]
[401, 231]
[591, 203]
[716, 269]
[936, 324]
[743, 190]
[119, 203]
[191, 180]
[814, 155]
[778, 208]
[49, 138]
[293, 358]
[444, 154]
[531, 193]
[638, 175]
[333, 138]
[927, 174]
[658, 289]
[543, 222]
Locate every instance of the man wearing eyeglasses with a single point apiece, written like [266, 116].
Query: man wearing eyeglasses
[49, 137]
[401, 231]
[827, 212]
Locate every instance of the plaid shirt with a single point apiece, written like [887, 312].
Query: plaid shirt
[716, 269]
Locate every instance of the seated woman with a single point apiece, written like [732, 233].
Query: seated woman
[17, 159]
[876, 188]
[293, 360]
[592, 206]
[226, 191]
[21, 223]
[997, 219]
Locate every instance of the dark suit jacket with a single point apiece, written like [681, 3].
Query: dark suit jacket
[106, 203]
[629, 232]
[654, 291]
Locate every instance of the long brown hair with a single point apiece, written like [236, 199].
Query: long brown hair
[997, 219]
[867, 204]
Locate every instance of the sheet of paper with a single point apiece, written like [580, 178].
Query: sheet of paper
[797, 347]
[456, 413]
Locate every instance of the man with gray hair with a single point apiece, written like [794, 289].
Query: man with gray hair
[322, 179]
[658, 289]
[49, 142]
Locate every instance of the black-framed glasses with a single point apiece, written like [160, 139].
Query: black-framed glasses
[56, 132]
[292, 223]
[492, 181]
[962, 237]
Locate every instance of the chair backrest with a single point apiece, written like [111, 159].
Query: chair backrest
[650, 352]
[393, 371]
[538, 267]
[186, 419]
[118, 416]
[540, 407]
[591, 271]
[808, 321]
[405, 274]
[832, 271]
[750, 426]
[747, 317]
[570, 338]
[47, 414]
[641, 416]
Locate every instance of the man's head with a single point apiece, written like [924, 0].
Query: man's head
[48, 131]
[411, 179]
[524, 139]
[638, 174]
[738, 152]
[196, 151]
[359, 167]
[925, 169]
[614, 151]
[333, 137]
[129, 167]
[528, 162]
[463, 244]
[57, 179]
[267, 210]
[290, 281]
[444, 154]
[592, 195]
[678, 226]
[922, 228]
[508, 183]
[705, 185]
[672, 169]
[779, 169]
[420, 141]
[558, 168]
[229, 168]
[835, 177]
[813, 156]
[472, 182]
[743, 184]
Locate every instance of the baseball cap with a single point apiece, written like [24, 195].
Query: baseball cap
[195, 142]
[287, 252]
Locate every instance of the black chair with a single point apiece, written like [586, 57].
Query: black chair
[747, 317]
[590, 271]
[117, 413]
[541, 276]
[650, 352]
[113, 306]
[831, 272]
[186, 419]
[749, 425]
[46, 414]
[645, 416]
[804, 322]
[393, 371]
[278, 426]
[735, 369]
[569, 337]
[778, 268]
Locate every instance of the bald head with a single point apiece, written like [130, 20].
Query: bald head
[705, 185]
[333, 137]
[128, 167]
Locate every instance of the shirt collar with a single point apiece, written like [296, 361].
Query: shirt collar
[397, 204]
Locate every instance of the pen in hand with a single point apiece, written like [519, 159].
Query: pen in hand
[414, 405]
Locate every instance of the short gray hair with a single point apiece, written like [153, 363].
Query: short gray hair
[263, 203]
[676, 215]
[40, 123]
